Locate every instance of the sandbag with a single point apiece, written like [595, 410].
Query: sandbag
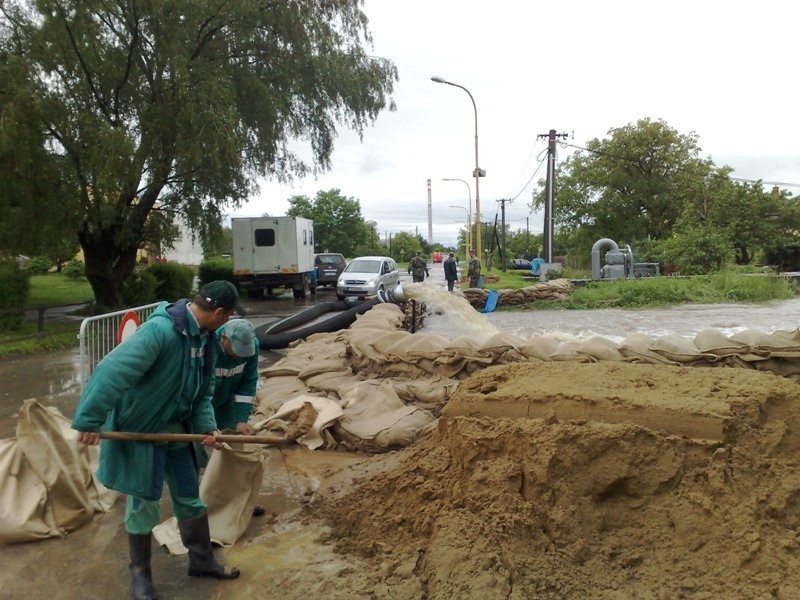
[230, 487]
[48, 486]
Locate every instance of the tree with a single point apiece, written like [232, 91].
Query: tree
[181, 105]
[522, 243]
[405, 246]
[338, 224]
[696, 250]
[632, 185]
[751, 218]
[37, 218]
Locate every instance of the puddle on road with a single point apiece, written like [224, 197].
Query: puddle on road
[53, 378]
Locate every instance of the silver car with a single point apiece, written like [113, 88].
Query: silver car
[366, 276]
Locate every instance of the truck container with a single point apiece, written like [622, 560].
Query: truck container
[274, 252]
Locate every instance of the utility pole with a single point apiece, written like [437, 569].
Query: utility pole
[528, 238]
[503, 255]
[550, 191]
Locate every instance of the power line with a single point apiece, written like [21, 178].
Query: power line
[524, 187]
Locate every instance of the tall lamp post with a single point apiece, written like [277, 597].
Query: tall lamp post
[469, 213]
[478, 173]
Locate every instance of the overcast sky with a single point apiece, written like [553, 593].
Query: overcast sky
[726, 70]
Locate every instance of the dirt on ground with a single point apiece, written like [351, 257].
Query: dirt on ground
[540, 480]
[561, 480]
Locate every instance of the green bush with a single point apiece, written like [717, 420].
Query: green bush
[15, 284]
[40, 265]
[140, 289]
[216, 268]
[174, 281]
[74, 270]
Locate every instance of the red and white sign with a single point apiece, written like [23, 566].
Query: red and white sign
[127, 325]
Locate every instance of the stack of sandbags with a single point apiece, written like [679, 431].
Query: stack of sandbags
[48, 485]
[391, 383]
[558, 289]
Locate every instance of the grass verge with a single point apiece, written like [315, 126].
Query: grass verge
[718, 288]
[27, 340]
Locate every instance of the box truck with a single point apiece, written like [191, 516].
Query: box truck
[274, 252]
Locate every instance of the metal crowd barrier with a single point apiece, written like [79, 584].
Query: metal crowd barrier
[100, 335]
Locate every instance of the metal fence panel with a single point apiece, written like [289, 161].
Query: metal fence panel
[98, 336]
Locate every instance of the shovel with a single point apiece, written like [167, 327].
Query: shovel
[135, 436]
[302, 424]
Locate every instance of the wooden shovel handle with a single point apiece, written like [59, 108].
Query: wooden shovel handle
[192, 437]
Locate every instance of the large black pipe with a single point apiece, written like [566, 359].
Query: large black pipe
[271, 338]
[304, 317]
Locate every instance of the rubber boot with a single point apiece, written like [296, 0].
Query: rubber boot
[140, 547]
[196, 538]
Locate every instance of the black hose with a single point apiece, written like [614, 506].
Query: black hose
[271, 341]
[307, 315]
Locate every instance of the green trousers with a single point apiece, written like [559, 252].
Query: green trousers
[174, 465]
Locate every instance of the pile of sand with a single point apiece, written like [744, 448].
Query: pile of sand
[605, 480]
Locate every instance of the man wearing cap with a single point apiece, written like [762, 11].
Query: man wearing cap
[236, 379]
[160, 380]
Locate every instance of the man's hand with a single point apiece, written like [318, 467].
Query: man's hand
[244, 429]
[211, 440]
[90, 438]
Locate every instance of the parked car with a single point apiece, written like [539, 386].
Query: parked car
[519, 264]
[437, 257]
[366, 276]
[329, 266]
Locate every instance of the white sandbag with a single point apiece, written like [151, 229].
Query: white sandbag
[230, 487]
[23, 499]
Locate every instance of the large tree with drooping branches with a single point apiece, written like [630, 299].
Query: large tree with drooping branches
[180, 106]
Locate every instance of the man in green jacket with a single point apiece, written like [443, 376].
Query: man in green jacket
[418, 267]
[160, 380]
[236, 379]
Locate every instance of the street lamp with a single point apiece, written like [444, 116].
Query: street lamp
[466, 238]
[469, 213]
[478, 173]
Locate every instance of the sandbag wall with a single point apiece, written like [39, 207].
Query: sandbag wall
[377, 371]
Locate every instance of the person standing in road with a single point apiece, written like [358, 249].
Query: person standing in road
[160, 380]
[418, 268]
[473, 269]
[450, 271]
[236, 380]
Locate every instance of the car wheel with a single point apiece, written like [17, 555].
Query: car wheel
[340, 297]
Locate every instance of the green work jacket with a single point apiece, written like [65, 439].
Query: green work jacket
[235, 384]
[158, 380]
